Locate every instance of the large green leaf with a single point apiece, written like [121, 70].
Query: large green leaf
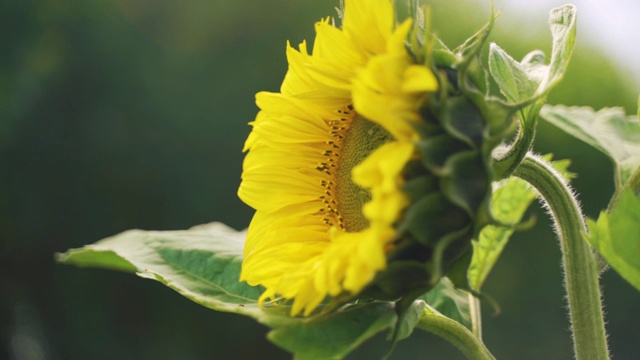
[616, 236]
[609, 130]
[336, 334]
[521, 81]
[204, 263]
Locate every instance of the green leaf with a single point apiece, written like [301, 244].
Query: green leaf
[562, 21]
[510, 201]
[202, 264]
[472, 46]
[616, 236]
[449, 301]
[518, 81]
[526, 84]
[336, 334]
[444, 298]
[409, 319]
[442, 56]
[608, 130]
[523, 81]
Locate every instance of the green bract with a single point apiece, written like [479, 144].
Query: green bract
[450, 184]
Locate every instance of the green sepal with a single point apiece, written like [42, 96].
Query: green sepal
[420, 42]
[449, 251]
[418, 187]
[431, 127]
[466, 182]
[499, 120]
[433, 217]
[442, 56]
[462, 119]
[435, 151]
[468, 51]
[472, 80]
[458, 271]
[459, 132]
[398, 279]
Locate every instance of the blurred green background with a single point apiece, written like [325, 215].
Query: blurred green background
[132, 114]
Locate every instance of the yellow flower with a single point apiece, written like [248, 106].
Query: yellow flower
[326, 156]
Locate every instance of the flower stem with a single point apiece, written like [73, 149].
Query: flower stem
[580, 265]
[454, 332]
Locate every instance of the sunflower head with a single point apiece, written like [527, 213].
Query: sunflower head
[369, 170]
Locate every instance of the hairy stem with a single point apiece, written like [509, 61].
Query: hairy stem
[509, 161]
[454, 332]
[578, 260]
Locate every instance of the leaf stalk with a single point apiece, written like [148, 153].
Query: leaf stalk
[454, 332]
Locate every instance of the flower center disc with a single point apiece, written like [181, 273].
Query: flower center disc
[361, 139]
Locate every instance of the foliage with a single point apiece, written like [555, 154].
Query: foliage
[608, 130]
[616, 236]
[203, 264]
[510, 201]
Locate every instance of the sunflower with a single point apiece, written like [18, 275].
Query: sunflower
[326, 156]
